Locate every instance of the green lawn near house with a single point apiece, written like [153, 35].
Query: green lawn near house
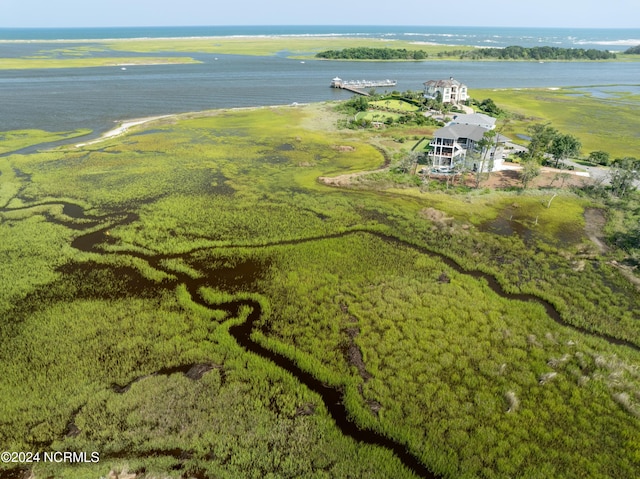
[395, 105]
[377, 115]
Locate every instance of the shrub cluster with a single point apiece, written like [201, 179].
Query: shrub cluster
[536, 53]
[367, 53]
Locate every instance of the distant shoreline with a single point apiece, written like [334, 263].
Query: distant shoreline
[47, 53]
[616, 39]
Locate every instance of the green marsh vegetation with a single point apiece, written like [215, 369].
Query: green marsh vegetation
[346, 47]
[102, 343]
[28, 63]
[297, 47]
[94, 54]
[84, 54]
[601, 122]
[17, 139]
[425, 353]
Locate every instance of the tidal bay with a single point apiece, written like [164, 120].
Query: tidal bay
[65, 99]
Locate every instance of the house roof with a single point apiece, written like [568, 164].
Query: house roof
[443, 83]
[479, 119]
[455, 131]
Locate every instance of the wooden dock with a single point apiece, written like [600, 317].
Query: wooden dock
[354, 90]
[358, 86]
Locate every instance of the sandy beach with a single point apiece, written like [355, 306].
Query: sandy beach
[121, 129]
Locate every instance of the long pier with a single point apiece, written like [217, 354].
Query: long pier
[356, 86]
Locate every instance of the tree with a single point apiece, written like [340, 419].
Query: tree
[458, 170]
[541, 136]
[623, 175]
[599, 157]
[360, 103]
[489, 107]
[563, 147]
[484, 145]
[407, 161]
[563, 177]
[419, 55]
[530, 169]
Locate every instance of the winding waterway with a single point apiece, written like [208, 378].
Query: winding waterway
[74, 217]
[66, 99]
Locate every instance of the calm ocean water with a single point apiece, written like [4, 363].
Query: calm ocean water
[62, 99]
[608, 38]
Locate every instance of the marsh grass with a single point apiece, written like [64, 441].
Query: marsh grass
[228, 203]
[17, 139]
[298, 47]
[88, 62]
[31, 250]
[452, 351]
[608, 124]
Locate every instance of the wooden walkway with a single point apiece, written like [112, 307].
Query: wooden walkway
[355, 90]
[356, 86]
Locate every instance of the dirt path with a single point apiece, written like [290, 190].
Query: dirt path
[549, 177]
[595, 220]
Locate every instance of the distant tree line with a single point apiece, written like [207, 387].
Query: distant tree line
[535, 53]
[633, 50]
[366, 53]
[507, 53]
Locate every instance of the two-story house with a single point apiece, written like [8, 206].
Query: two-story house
[451, 91]
[456, 145]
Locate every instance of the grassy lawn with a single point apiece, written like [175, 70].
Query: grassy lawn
[376, 291]
[398, 105]
[373, 115]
